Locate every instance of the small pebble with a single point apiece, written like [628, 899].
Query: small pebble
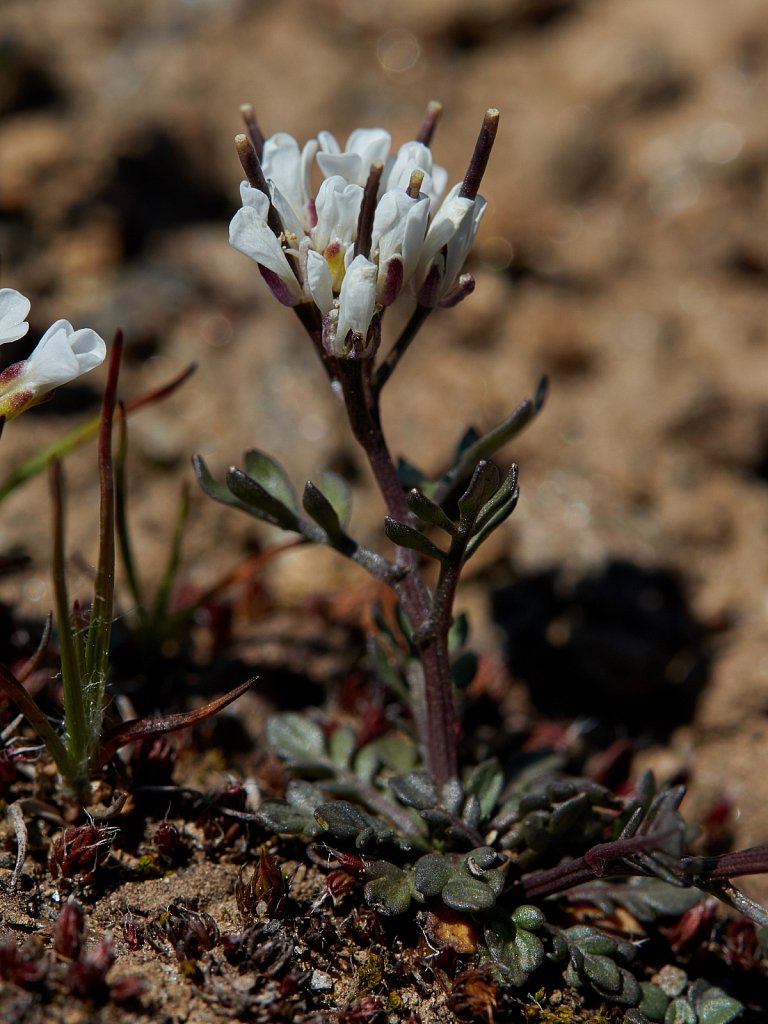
[671, 980]
[321, 982]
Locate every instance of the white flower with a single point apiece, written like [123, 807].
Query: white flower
[338, 209]
[449, 239]
[250, 233]
[14, 310]
[399, 225]
[357, 304]
[61, 355]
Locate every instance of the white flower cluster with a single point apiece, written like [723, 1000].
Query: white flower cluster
[311, 250]
[61, 355]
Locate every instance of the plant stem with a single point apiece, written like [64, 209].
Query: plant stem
[388, 365]
[432, 693]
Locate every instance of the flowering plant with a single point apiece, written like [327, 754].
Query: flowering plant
[374, 232]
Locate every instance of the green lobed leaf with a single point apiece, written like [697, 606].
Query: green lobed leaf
[518, 952]
[429, 512]
[338, 492]
[303, 795]
[296, 738]
[390, 889]
[529, 918]
[603, 973]
[211, 486]
[507, 491]
[345, 820]
[260, 503]
[281, 817]
[485, 781]
[464, 670]
[484, 483]
[452, 796]
[502, 514]
[471, 813]
[653, 1001]
[414, 790]
[645, 898]
[407, 537]
[341, 745]
[398, 752]
[272, 477]
[431, 873]
[720, 1010]
[468, 894]
[680, 1011]
[317, 506]
[366, 762]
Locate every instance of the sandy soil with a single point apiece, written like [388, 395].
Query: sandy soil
[623, 253]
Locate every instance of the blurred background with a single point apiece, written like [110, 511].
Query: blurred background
[624, 254]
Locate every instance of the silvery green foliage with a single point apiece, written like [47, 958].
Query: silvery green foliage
[599, 961]
[647, 899]
[513, 943]
[671, 999]
[469, 882]
[360, 798]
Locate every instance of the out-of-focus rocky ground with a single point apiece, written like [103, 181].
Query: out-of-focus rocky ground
[624, 253]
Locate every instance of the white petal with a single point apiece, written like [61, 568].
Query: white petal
[338, 209]
[61, 355]
[364, 147]
[453, 229]
[446, 223]
[319, 281]
[357, 299]
[328, 143]
[292, 225]
[370, 144]
[14, 309]
[399, 226]
[410, 157]
[458, 248]
[249, 234]
[287, 167]
[250, 196]
[348, 166]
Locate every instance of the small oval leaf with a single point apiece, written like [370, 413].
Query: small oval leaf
[271, 476]
[295, 737]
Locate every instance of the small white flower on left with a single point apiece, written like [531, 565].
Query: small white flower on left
[61, 355]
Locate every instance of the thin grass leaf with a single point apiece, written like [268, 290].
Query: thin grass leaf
[64, 445]
[74, 708]
[121, 522]
[26, 704]
[165, 589]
